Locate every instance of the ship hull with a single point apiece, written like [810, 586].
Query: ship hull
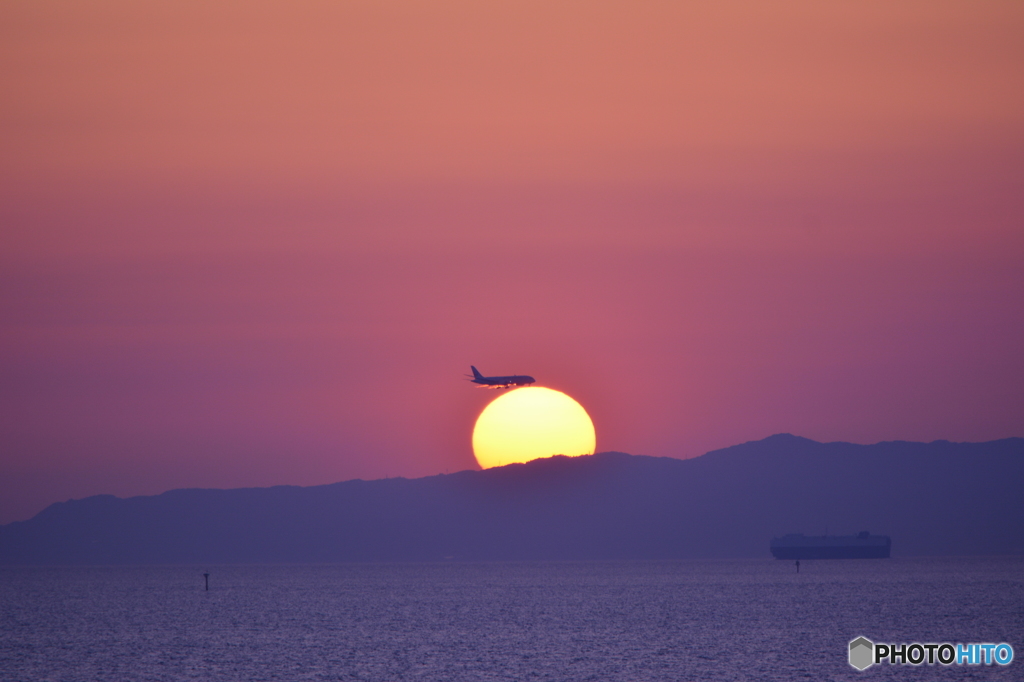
[797, 546]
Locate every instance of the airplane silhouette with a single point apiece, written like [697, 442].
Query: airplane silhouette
[499, 382]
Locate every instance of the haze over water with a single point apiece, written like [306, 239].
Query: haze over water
[718, 620]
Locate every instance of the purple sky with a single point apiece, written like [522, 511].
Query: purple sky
[253, 246]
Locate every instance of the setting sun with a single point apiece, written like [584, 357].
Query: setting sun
[528, 423]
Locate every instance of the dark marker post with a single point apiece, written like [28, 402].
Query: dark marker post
[797, 568]
[207, 576]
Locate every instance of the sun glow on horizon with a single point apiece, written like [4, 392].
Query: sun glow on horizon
[529, 423]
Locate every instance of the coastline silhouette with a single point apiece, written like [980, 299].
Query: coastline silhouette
[937, 498]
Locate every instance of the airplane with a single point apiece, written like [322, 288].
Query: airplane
[499, 382]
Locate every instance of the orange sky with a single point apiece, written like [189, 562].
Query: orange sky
[257, 243]
[337, 98]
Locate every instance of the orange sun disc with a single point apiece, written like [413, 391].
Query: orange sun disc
[528, 423]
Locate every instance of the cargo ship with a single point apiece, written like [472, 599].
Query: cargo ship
[864, 545]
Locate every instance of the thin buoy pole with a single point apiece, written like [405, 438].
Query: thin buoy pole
[207, 576]
[797, 568]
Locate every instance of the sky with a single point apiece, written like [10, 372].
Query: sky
[251, 244]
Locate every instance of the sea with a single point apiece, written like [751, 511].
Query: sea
[671, 620]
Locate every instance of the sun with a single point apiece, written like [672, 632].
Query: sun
[528, 423]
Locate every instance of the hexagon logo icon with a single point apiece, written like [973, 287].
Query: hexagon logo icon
[862, 652]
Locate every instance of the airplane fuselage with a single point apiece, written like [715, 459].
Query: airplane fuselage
[504, 382]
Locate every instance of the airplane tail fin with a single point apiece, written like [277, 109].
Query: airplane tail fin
[476, 373]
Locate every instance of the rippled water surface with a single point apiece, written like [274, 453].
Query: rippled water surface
[730, 620]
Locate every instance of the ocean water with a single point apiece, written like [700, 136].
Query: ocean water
[687, 620]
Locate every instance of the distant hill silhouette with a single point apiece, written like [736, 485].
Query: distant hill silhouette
[937, 498]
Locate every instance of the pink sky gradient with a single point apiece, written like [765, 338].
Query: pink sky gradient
[260, 245]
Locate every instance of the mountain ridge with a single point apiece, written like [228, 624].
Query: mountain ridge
[933, 498]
